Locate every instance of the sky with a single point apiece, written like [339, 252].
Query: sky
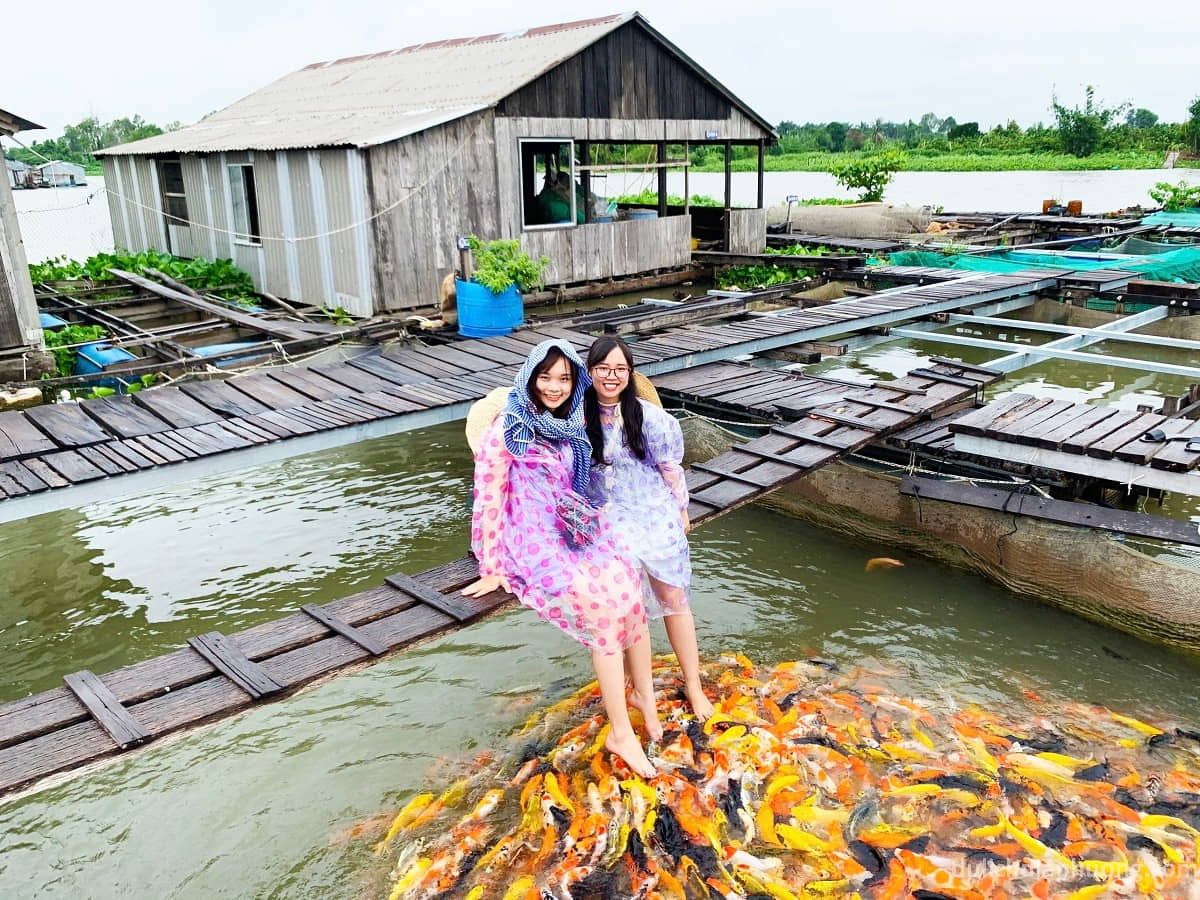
[787, 60]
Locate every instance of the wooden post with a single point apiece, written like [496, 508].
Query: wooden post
[687, 194]
[585, 156]
[18, 310]
[662, 179]
[728, 194]
[761, 171]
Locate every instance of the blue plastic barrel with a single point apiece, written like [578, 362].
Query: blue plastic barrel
[95, 357]
[484, 314]
[642, 214]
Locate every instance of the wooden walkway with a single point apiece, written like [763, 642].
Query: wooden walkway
[92, 718]
[90, 446]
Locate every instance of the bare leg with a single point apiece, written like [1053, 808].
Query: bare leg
[637, 659]
[681, 632]
[622, 741]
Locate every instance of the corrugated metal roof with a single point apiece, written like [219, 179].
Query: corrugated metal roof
[366, 100]
[11, 123]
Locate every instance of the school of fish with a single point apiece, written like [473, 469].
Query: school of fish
[813, 783]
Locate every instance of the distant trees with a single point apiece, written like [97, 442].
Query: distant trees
[1081, 130]
[80, 141]
[1141, 118]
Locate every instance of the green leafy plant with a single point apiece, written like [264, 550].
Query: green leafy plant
[1082, 129]
[649, 197]
[337, 315]
[869, 174]
[501, 264]
[200, 274]
[747, 277]
[64, 356]
[99, 391]
[1173, 197]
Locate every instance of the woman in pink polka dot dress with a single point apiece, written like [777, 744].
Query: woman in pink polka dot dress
[536, 535]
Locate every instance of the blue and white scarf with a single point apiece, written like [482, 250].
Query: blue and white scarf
[523, 423]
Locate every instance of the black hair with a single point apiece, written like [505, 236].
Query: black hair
[631, 407]
[552, 356]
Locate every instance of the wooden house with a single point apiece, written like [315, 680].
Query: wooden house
[348, 182]
[59, 173]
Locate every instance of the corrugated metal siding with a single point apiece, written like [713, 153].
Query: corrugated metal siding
[271, 222]
[117, 210]
[312, 286]
[147, 179]
[203, 240]
[344, 246]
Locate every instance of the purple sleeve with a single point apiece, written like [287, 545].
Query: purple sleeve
[664, 449]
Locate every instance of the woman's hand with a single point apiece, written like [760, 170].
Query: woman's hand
[687, 522]
[486, 585]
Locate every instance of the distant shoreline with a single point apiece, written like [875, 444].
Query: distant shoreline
[966, 162]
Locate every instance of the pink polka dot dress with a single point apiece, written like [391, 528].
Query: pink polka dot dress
[588, 590]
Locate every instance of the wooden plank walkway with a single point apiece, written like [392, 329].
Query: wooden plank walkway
[866, 245]
[94, 442]
[217, 675]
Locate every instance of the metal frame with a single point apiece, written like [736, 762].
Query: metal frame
[1180, 343]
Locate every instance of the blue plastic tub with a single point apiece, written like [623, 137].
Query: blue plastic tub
[255, 349]
[49, 320]
[642, 214]
[483, 314]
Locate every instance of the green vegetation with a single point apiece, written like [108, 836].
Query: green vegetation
[869, 174]
[1176, 196]
[650, 198]
[80, 141]
[64, 357]
[797, 250]
[200, 274]
[1090, 135]
[748, 277]
[501, 264]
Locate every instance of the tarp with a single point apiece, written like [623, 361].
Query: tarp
[1181, 265]
[1183, 218]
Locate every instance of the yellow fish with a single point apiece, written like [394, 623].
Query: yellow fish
[1135, 724]
[411, 810]
[519, 889]
[798, 839]
[556, 793]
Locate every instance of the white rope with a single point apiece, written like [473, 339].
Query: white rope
[314, 237]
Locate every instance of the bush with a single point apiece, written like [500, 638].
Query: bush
[1176, 196]
[501, 264]
[870, 174]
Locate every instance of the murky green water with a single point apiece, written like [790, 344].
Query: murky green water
[260, 806]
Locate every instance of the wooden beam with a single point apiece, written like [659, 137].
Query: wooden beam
[761, 171]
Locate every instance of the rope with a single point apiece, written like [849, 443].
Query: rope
[462, 147]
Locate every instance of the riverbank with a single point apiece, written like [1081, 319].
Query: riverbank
[986, 161]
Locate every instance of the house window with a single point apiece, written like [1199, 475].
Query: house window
[174, 203]
[549, 191]
[245, 203]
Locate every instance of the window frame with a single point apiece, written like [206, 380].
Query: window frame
[166, 196]
[549, 226]
[252, 236]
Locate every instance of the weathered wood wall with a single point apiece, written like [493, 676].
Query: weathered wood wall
[18, 310]
[609, 249]
[436, 185]
[627, 75]
[747, 231]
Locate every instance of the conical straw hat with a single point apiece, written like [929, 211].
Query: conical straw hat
[483, 412]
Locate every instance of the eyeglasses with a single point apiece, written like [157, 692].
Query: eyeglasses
[608, 371]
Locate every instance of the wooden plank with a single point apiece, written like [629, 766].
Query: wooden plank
[155, 449]
[44, 472]
[19, 437]
[352, 377]
[1140, 452]
[1087, 417]
[1063, 511]
[267, 391]
[308, 383]
[102, 462]
[121, 451]
[1048, 417]
[333, 623]
[454, 607]
[219, 396]
[106, 709]
[277, 329]
[174, 406]
[28, 481]
[1134, 428]
[123, 417]
[67, 425]
[227, 658]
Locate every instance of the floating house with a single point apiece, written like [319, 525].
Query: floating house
[18, 173]
[60, 174]
[349, 182]
[22, 348]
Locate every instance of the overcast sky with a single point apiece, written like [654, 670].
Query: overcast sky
[852, 61]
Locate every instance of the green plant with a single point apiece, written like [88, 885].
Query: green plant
[1082, 131]
[200, 274]
[747, 277]
[98, 392]
[870, 174]
[64, 356]
[337, 315]
[649, 197]
[1175, 196]
[501, 264]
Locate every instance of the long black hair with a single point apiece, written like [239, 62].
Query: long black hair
[552, 356]
[631, 407]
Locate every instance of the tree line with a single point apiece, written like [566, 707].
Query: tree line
[1081, 130]
[79, 142]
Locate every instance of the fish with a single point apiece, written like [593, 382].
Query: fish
[882, 562]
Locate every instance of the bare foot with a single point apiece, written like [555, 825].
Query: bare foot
[628, 749]
[700, 703]
[649, 710]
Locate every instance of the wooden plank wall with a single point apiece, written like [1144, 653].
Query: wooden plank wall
[449, 177]
[18, 310]
[610, 249]
[747, 231]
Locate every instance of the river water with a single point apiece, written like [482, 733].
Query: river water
[261, 805]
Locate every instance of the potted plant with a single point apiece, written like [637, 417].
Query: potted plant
[490, 303]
